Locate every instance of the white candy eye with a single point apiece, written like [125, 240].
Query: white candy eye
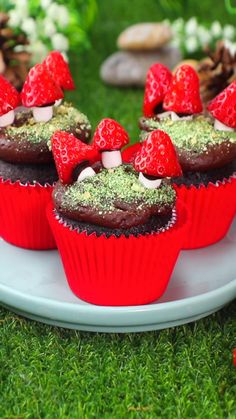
[7, 119]
[43, 114]
[221, 127]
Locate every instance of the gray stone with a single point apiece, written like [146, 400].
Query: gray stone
[125, 68]
[144, 36]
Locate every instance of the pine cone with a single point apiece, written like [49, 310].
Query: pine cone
[14, 64]
[216, 72]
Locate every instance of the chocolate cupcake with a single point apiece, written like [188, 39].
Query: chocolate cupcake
[115, 230]
[27, 169]
[206, 152]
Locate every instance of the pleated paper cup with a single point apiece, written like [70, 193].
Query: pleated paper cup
[211, 210]
[23, 220]
[118, 271]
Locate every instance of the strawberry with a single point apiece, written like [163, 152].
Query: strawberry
[109, 135]
[129, 154]
[234, 357]
[158, 157]
[157, 83]
[223, 106]
[68, 151]
[183, 96]
[9, 97]
[59, 70]
[39, 88]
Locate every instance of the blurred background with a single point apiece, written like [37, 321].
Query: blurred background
[104, 56]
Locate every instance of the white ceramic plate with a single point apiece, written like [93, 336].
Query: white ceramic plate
[33, 284]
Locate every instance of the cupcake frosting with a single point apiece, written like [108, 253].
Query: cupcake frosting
[27, 141]
[199, 146]
[113, 198]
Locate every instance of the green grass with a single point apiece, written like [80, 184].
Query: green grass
[184, 372]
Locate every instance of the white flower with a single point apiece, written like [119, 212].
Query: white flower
[53, 11]
[176, 42]
[191, 26]
[191, 44]
[62, 17]
[48, 27]
[216, 29]
[229, 32]
[15, 18]
[230, 46]
[45, 3]
[177, 25]
[38, 50]
[204, 35]
[60, 42]
[29, 26]
[21, 7]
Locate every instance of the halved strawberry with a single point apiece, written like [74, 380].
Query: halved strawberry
[157, 156]
[9, 97]
[223, 106]
[59, 70]
[39, 88]
[68, 151]
[183, 96]
[157, 84]
[110, 135]
[129, 153]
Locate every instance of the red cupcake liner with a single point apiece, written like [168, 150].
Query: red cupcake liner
[117, 271]
[211, 210]
[23, 220]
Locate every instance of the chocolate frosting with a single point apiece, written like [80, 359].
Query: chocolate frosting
[124, 216]
[213, 156]
[20, 148]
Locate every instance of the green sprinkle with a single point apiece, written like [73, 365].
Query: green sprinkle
[65, 117]
[194, 135]
[111, 188]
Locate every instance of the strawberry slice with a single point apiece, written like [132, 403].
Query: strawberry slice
[68, 151]
[183, 96]
[129, 154]
[223, 106]
[59, 70]
[109, 135]
[9, 97]
[39, 88]
[158, 157]
[157, 84]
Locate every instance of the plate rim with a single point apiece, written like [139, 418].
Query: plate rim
[81, 313]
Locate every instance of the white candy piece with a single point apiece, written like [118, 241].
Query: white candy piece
[164, 115]
[221, 127]
[43, 114]
[148, 183]
[58, 102]
[175, 117]
[111, 159]
[85, 173]
[7, 119]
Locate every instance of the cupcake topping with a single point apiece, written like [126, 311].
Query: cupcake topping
[69, 154]
[223, 109]
[40, 92]
[28, 141]
[59, 70]
[9, 100]
[109, 138]
[156, 159]
[199, 146]
[183, 96]
[113, 198]
[157, 83]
